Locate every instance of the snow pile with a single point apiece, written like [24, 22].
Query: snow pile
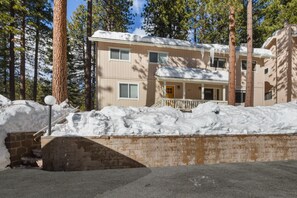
[192, 73]
[206, 119]
[4, 101]
[218, 48]
[23, 116]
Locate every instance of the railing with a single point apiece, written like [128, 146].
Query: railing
[186, 104]
[42, 131]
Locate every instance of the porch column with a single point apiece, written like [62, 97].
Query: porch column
[184, 90]
[164, 93]
[224, 93]
[202, 91]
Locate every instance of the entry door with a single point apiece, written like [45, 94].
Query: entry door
[208, 94]
[169, 91]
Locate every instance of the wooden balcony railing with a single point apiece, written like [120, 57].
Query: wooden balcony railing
[185, 104]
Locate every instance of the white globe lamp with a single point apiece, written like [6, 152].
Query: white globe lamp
[50, 101]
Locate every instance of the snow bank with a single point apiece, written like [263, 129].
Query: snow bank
[206, 119]
[23, 116]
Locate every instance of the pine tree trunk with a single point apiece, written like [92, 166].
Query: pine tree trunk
[5, 73]
[59, 84]
[232, 57]
[23, 57]
[249, 74]
[12, 56]
[88, 66]
[36, 60]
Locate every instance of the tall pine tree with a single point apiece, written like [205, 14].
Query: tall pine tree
[170, 19]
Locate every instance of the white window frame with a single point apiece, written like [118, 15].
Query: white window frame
[217, 66]
[117, 48]
[158, 52]
[128, 83]
[244, 70]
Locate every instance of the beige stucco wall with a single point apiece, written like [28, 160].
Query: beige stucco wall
[278, 68]
[138, 70]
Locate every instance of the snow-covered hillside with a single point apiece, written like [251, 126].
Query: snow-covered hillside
[23, 116]
[208, 118]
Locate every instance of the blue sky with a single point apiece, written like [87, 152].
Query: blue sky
[137, 8]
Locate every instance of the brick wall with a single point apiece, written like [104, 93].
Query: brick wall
[86, 153]
[20, 145]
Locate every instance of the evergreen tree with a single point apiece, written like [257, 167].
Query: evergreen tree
[171, 19]
[114, 15]
[76, 55]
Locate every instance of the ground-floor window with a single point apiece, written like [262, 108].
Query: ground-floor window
[128, 90]
[239, 96]
[268, 95]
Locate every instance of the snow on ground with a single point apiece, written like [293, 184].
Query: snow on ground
[23, 116]
[206, 119]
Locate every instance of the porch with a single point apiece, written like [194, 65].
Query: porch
[185, 88]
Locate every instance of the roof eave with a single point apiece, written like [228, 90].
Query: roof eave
[168, 46]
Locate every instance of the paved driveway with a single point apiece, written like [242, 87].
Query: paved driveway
[273, 179]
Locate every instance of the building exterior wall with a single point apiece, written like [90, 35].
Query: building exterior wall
[280, 73]
[89, 153]
[138, 70]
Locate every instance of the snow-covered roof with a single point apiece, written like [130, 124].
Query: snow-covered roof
[121, 37]
[192, 73]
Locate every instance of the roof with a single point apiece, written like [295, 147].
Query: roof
[277, 32]
[189, 73]
[128, 38]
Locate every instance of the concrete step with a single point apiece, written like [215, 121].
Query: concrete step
[32, 161]
[37, 153]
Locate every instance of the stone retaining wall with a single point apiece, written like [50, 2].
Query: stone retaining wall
[20, 145]
[87, 153]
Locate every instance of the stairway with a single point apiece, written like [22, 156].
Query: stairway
[32, 160]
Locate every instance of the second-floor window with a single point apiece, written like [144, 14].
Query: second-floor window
[119, 54]
[244, 65]
[158, 57]
[218, 62]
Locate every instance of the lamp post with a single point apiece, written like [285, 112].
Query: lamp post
[50, 101]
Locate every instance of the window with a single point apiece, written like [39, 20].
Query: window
[268, 95]
[239, 96]
[127, 90]
[266, 71]
[244, 65]
[157, 57]
[119, 54]
[218, 63]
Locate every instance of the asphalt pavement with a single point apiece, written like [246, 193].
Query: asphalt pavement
[271, 179]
